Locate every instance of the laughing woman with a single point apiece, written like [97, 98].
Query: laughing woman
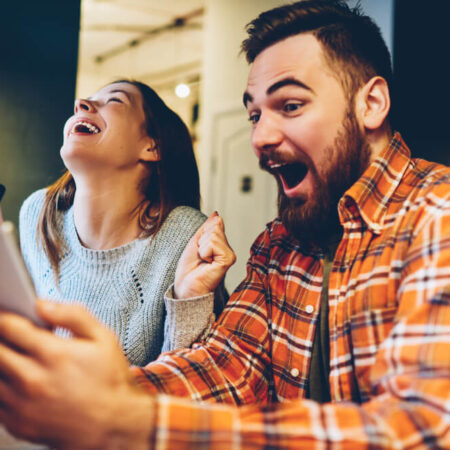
[109, 233]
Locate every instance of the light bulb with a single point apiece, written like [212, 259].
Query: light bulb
[182, 90]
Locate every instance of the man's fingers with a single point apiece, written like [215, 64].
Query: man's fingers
[23, 335]
[71, 316]
[13, 365]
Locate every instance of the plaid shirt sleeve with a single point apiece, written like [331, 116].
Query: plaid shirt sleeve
[410, 380]
[233, 366]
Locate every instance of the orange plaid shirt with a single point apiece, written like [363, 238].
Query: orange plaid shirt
[389, 322]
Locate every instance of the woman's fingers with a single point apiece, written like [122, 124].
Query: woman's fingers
[190, 257]
[204, 261]
[213, 245]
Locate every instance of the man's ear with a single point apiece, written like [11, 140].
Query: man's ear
[150, 151]
[373, 103]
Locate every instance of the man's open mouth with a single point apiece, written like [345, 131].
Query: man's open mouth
[85, 128]
[291, 174]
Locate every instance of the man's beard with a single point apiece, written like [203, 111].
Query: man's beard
[315, 221]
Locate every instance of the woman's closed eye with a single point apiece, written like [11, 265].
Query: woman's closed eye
[115, 99]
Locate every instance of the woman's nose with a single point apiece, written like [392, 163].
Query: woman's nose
[83, 105]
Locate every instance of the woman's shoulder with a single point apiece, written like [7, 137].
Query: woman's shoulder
[31, 207]
[186, 216]
[28, 219]
[181, 223]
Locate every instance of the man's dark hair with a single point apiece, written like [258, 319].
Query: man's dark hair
[352, 42]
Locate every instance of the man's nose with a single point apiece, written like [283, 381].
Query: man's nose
[266, 134]
[82, 104]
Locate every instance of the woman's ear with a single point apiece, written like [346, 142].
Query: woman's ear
[150, 151]
[373, 103]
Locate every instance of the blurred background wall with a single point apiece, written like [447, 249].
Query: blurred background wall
[38, 66]
[194, 43]
[422, 74]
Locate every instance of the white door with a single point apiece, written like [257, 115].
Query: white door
[242, 193]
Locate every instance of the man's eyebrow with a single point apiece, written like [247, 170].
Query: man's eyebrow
[278, 85]
[287, 82]
[246, 98]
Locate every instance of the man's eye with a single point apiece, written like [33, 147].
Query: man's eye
[292, 107]
[115, 99]
[253, 118]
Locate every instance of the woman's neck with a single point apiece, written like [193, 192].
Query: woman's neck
[106, 214]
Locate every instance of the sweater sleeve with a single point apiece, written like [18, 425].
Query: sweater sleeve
[187, 319]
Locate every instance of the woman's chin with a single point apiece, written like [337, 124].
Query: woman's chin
[78, 161]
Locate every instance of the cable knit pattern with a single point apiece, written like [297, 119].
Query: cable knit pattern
[123, 287]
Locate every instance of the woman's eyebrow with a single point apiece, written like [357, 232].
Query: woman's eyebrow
[115, 91]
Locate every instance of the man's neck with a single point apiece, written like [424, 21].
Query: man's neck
[379, 140]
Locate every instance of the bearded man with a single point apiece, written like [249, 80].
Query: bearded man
[339, 336]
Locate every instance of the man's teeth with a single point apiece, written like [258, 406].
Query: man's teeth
[276, 166]
[85, 127]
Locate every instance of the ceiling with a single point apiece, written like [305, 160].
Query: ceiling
[159, 42]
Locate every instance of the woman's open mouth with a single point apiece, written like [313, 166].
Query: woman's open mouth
[84, 127]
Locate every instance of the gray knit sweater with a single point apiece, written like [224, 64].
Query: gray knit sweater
[123, 287]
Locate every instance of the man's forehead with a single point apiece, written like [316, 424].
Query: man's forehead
[298, 57]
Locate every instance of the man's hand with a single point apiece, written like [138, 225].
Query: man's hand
[69, 393]
[205, 260]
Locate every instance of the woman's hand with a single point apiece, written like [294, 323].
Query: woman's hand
[205, 260]
[73, 392]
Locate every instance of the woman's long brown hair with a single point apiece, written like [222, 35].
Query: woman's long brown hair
[172, 181]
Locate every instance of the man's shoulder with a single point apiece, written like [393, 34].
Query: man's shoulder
[428, 180]
[428, 173]
[422, 195]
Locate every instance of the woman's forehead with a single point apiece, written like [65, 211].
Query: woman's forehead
[131, 91]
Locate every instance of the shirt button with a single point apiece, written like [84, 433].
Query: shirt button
[309, 309]
[295, 372]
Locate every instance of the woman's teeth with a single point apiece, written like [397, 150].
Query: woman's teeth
[85, 127]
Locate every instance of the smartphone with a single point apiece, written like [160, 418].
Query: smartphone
[17, 292]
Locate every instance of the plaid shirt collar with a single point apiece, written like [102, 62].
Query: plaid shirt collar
[369, 197]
